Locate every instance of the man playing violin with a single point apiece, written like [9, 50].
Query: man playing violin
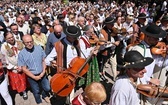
[124, 89]
[160, 55]
[87, 44]
[108, 54]
[152, 34]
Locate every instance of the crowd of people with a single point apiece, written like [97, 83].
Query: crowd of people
[56, 48]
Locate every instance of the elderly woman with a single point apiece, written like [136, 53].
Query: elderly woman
[38, 37]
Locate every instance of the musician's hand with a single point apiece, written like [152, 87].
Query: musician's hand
[1, 27]
[94, 51]
[117, 43]
[53, 63]
[155, 81]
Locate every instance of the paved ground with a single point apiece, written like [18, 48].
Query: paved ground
[18, 100]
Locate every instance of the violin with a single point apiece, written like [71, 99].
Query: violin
[152, 91]
[117, 31]
[136, 39]
[159, 49]
[94, 40]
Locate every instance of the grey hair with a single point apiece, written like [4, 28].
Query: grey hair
[87, 27]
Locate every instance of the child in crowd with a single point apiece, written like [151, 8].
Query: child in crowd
[94, 94]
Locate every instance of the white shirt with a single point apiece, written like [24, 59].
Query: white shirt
[128, 26]
[11, 61]
[71, 53]
[85, 51]
[25, 29]
[164, 6]
[124, 93]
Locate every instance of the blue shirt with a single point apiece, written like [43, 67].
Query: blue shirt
[51, 40]
[33, 60]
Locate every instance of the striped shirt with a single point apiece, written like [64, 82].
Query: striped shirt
[33, 60]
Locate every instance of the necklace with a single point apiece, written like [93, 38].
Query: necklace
[17, 37]
[72, 47]
[133, 83]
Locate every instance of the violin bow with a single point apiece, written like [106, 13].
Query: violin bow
[159, 95]
[162, 65]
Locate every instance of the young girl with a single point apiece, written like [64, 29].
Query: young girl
[94, 94]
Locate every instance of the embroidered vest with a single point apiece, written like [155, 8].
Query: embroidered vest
[61, 49]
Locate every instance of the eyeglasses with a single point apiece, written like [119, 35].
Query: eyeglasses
[92, 32]
[19, 21]
[28, 42]
[58, 32]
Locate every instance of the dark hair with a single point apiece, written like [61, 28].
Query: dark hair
[35, 20]
[6, 33]
[13, 24]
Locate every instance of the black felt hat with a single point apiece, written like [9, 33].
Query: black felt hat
[165, 18]
[142, 16]
[72, 31]
[133, 59]
[153, 31]
[109, 20]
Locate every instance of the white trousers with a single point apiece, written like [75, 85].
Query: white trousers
[5, 92]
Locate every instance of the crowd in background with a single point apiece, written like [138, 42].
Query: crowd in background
[25, 25]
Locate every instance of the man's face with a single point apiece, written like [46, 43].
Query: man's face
[152, 41]
[137, 72]
[10, 39]
[109, 26]
[142, 20]
[28, 42]
[71, 39]
[90, 32]
[19, 22]
[58, 32]
[81, 22]
[14, 29]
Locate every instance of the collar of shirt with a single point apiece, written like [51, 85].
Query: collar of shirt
[146, 45]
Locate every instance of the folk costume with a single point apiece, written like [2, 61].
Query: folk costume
[64, 52]
[4, 85]
[17, 80]
[124, 90]
[144, 49]
[93, 72]
[78, 100]
[108, 53]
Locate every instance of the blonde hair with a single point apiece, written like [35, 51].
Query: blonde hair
[95, 92]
